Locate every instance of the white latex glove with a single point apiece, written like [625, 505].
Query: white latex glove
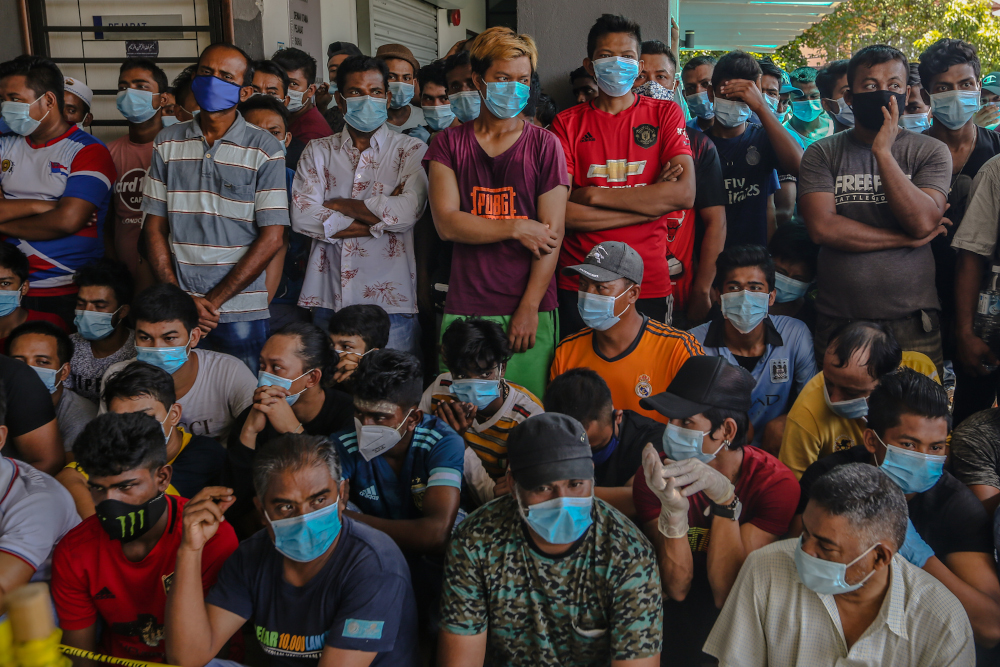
[673, 520]
[692, 476]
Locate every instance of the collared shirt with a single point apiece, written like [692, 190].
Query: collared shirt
[379, 269]
[771, 618]
[215, 198]
[787, 361]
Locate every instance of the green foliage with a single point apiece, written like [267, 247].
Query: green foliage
[787, 62]
[969, 20]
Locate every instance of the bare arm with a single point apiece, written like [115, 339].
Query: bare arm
[651, 661]
[787, 150]
[426, 535]
[68, 217]
[653, 200]
[973, 352]
[269, 240]
[85, 639]
[727, 550]
[712, 244]
[581, 218]
[840, 233]
[155, 231]
[14, 573]
[272, 274]
[461, 650]
[988, 495]
[78, 489]
[784, 203]
[673, 555]
[339, 657]
[619, 497]
[972, 578]
[14, 209]
[42, 448]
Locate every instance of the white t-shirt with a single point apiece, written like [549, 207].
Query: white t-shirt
[223, 389]
[36, 512]
[416, 118]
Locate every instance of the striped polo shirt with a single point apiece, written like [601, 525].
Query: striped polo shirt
[215, 198]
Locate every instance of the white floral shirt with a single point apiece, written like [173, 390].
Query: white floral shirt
[379, 269]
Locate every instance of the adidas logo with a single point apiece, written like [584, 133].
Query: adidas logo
[104, 594]
[587, 137]
[371, 493]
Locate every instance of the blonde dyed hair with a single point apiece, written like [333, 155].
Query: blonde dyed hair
[500, 43]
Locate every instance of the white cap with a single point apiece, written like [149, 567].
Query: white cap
[80, 89]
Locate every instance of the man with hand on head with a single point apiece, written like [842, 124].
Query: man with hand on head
[307, 122]
[594, 592]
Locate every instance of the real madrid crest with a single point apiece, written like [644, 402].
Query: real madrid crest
[643, 387]
[753, 157]
[645, 135]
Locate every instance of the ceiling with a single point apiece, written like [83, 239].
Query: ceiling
[752, 25]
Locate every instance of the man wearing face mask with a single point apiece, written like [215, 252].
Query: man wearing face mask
[462, 93]
[336, 53]
[77, 99]
[14, 271]
[829, 414]
[776, 350]
[832, 83]
[403, 68]
[841, 593]
[916, 113]
[361, 217]
[434, 101]
[705, 498]
[141, 83]
[213, 224]
[594, 592]
[113, 571]
[636, 355]
[873, 199]
[794, 255]
[808, 122]
[632, 174]
[696, 79]
[949, 534]
[57, 185]
[307, 122]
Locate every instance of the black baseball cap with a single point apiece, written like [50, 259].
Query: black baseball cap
[702, 383]
[342, 48]
[549, 447]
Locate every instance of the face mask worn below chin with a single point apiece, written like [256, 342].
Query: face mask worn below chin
[788, 289]
[745, 310]
[868, 107]
[730, 113]
[852, 409]
[598, 311]
[562, 520]
[616, 75]
[466, 105]
[913, 472]
[306, 537]
[374, 439]
[478, 392]
[401, 92]
[265, 379]
[366, 113]
[506, 99]
[700, 106]
[826, 577]
[681, 444]
[93, 325]
[125, 522]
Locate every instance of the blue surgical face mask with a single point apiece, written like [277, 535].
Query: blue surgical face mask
[295, 101]
[616, 75]
[265, 379]
[562, 520]
[912, 472]
[731, 113]
[954, 108]
[332, 88]
[772, 104]
[136, 105]
[478, 392]
[9, 301]
[681, 444]
[169, 359]
[846, 115]
[169, 120]
[48, 377]
[306, 537]
[93, 325]
[700, 106]
[506, 99]
[915, 122]
[852, 409]
[438, 117]
[402, 93]
[788, 289]
[214, 94]
[826, 577]
[466, 105]
[366, 113]
[18, 117]
[598, 311]
[745, 310]
[807, 110]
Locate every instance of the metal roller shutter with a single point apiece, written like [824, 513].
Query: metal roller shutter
[411, 23]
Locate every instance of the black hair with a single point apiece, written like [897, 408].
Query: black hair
[768, 68]
[913, 78]
[474, 344]
[698, 61]
[827, 77]
[859, 336]
[274, 69]
[582, 394]
[459, 59]
[579, 73]
[718, 416]
[106, 272]
[293, 60]
[361, 64]
[432, 73]
[546, 110]
[315, 348]
[735, 257]
[12, 258]
[181, 85]
[389, 375]
[942, 54]
[534, 93]
[140, 379]
[114, 443]
[612, 23]
[792, 242]
[735, 65]
[247, 73]
[166, 302]
[159, 76]
[367, 321]
[655, 47]
[905, 392]
[64, 346]
[872, 55]
[266, 103]
[40, 74]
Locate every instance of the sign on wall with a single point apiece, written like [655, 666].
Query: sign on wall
[115, 20]
[305, 31]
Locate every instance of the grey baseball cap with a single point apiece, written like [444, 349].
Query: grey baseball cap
[547, 448]
[342, 48]
[607, 261]
[991, 82]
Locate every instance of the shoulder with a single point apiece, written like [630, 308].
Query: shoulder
[373, 548]
[928, 600]
[220, 362]
[921, 363]
[525, 402]
[435, 434]
[772, 561]
[257, 137]
[571, 116]
[701, 331]
[85, 140]
[980, 429]
[176, 132]
[922, 142]
[664, 333]
[489, 525]
[581, 338]
[766, 467]
[82, 538]
[790, 327]
[202, 446]
[628, 541]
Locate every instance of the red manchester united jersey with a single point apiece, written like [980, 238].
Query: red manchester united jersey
[626, 150]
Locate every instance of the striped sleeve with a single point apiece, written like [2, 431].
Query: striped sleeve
[154, 194]
[91, 174]
[445, 477]
[271, 197]
[446, 461]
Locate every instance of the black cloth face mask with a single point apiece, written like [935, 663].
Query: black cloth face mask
[868, 107]
[125, 522]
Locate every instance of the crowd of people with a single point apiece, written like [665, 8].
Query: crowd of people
[406, 368]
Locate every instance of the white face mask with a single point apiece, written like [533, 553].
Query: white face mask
[295, 101]
[374, 440]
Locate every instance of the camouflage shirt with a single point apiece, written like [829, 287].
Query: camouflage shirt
[597, 603]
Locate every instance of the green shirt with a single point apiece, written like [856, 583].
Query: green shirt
[599, 602]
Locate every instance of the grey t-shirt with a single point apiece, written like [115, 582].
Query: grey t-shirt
[975, 449]
[73, 412]
[886, 284]
[86, 371]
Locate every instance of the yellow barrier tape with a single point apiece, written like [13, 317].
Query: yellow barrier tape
[107, 659]
[41, 652]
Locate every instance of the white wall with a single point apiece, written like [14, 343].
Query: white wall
[473, 18]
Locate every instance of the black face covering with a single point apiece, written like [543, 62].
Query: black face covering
[868, 107]
[125, 522]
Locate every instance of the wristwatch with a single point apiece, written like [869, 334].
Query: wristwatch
[730, 511]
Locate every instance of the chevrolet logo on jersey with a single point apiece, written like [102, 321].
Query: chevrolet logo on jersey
[616, 171]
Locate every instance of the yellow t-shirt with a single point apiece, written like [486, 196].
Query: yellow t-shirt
[813, 430]
[171, 491]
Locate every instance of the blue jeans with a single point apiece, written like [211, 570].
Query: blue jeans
[404, 330]
[243, 340]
